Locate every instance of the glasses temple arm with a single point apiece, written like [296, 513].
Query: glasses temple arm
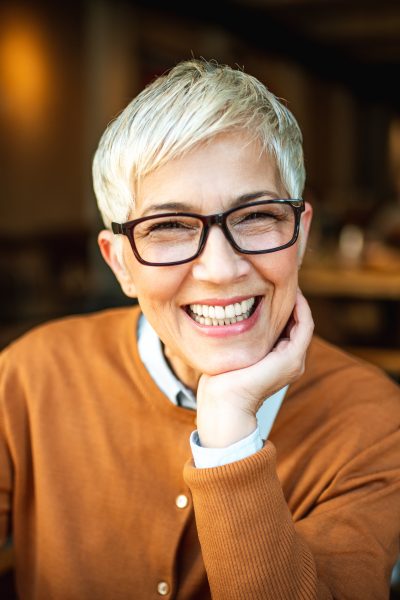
[117, 228]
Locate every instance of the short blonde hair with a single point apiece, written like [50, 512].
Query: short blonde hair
[193, 102]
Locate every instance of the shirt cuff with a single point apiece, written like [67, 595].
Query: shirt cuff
[205, 458]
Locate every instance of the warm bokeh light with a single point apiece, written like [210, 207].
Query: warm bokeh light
[24, 71]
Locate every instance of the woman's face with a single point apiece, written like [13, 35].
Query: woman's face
[210, 179]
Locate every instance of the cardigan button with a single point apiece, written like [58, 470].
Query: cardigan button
[163, 588]
[182, 501]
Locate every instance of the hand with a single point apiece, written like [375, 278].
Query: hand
[227, 403]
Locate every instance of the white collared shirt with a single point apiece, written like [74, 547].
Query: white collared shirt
[151, 353]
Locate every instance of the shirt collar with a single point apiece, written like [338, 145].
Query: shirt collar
[152, 355]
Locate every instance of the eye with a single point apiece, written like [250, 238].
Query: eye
[168, 225]
[167, 228]
[258, 215]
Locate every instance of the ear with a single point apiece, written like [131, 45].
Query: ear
[108, 251]
[305, 225]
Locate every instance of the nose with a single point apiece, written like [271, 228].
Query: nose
[219, 262]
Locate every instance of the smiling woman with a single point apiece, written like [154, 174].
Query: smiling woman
[221, 265]
[290, 485]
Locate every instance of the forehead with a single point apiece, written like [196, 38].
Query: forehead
[211, 176]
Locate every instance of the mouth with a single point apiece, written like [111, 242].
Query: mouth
[215, 315]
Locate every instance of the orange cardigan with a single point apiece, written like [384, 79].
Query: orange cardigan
[93, 458]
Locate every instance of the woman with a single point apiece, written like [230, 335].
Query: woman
[293, 487]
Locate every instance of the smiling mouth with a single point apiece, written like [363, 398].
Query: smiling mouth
[218, 316]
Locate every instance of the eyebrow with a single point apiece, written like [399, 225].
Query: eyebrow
[184, 207]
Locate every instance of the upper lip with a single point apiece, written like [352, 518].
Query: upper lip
[223, 301]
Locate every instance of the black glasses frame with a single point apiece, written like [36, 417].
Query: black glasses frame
[208, 221]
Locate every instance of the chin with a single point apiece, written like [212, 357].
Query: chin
[223, 364]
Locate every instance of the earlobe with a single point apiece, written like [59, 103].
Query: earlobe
[104, 241]
[306, 219]
[108, 251]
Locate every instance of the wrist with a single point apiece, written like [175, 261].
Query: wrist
[220, 429]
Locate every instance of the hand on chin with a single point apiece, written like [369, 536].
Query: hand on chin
[227, 403]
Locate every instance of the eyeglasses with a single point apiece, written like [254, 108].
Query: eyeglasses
[176, 238]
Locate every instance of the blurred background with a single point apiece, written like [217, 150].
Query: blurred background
[67, 69]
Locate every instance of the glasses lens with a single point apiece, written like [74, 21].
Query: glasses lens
[167, 239]
[262, 227]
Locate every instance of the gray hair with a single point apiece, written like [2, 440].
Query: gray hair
[193, 102]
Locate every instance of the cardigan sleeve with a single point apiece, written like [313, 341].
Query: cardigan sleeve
[343, 548]
[5, 491]
[6, 471]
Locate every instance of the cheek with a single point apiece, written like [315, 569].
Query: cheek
[280, 272]
[158, 286]
[279, 269]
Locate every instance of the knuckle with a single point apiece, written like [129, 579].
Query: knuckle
[298, 366]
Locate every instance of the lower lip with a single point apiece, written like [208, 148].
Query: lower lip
[219, 331]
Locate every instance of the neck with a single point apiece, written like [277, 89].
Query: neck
[186, 374]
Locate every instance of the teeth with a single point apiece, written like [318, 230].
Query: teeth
[229, 311]
[238, 309]
[221, 315]
[219, 312]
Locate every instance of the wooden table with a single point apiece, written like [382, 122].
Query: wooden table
[331, 281]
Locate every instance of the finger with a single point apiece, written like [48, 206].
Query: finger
[302, 331]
